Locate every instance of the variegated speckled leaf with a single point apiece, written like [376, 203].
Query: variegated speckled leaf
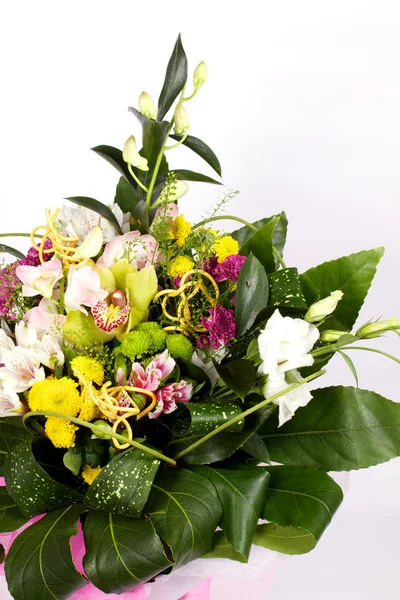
[285, 289]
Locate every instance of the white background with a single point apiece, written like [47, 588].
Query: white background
[302, 108]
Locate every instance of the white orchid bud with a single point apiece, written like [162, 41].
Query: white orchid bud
[91, 245]
[373, 330]
[147, 106]
[180, 189]
[181, 120]
[321, 309]
[131, 155]
[199, 75]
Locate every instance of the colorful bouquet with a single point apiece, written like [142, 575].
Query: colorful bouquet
[152, 368]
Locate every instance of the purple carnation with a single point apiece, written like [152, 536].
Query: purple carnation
[32, 257]
[229, 269]
[221, 328]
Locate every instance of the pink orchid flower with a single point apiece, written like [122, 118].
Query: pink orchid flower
[40, 280]
[136, 249]
[45, 319]
[149, 378]
[83, 289]
[169, 395]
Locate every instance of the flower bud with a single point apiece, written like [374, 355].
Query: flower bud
[321, 309]
[105, 429]
[373, 330]
[147, 106]
[181, 119]
[180, 189]
[131, 155]
[199, 75]
[331, 335]
[91, 245]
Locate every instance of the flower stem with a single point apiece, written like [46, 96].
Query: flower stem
[226, 218]
[278, 256]
[140, 184]
[372, 350]
[183, 138]
[98, 430]
[248, 412]
[19, 235]
[157, 167]
[61, 307]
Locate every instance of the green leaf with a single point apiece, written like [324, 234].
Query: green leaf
[73, 460]
[124, 484]
[175, 79]
[251, 294]
[31, 488]
[242, 495]
[11, 250]
[125, 196]
[121, 553]
[221, 548]
[256, 448]
[260, 244]
[353, 275]
[39, 563]
[285, 289]
[10, 434]
[114, 157]
[185, 510]
[278, 237]
[140, 117]
[288, 540]
[99, 208]
[301, 497]
[209, 414]
[349, 363]
[185, 175]
[194, 372]
[154, 135]
[10, 517]
[202, 150]
[238, 374]
[340, 429]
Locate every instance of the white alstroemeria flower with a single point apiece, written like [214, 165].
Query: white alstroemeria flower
[6, 343]
[21, 369]
[79, 221]
[285, 343]
[123, 219]
[46, 348]
[10, 404]
[290, 402]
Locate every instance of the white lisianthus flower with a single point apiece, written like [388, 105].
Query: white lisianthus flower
[285, 344]
[321, 309]
[290, 402]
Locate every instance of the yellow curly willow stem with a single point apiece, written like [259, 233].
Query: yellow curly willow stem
[183, 316]
[108, 399]
[63, 246]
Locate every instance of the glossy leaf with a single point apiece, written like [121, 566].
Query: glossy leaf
[238, 374]
[301, 497]
[185, 510]
[251, 294]
[124, 484]
[202, 150]
[175, 79]
[121, 553]
[185, 175]
[221, 548]
[39, 563]
[140, 117]
[154, 135]
[340, 429]
[260, 244]
[32, 489]
[285, 289]
[288, 540]
[10, 516]
[352, 274]
[114, 157]
[256, 448]
[209, 414]
[242, 494]
[278, 237]
[125, 196]
[194, 372]
[10, 434]
[99, 208]
[11, 250]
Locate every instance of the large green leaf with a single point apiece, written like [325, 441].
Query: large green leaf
[242, 494]
[201, 149]
[99, 208]
[251, 294]
[285, 289]
[39, 563]
[10, 517]
[185, 175]
[154, 135]
[208, 414]
[340, 429]
[185, 510]
[32, 489]
[288, 540]
[10, 434]
[301, 497]
[352, 274]
[278, 237]
[125, 196]
[121, 553]
[114, 157]
[175, 79]
[11, 250]
[221, 548]
[124, 484]
[238, 374]
[261, 245]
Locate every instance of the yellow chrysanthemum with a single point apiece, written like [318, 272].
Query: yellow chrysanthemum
[89, 410]
[60, 432]
[57, 395]
[89, 474]
[180, 230]
[179, 266]
[89, 368]
[224, 247]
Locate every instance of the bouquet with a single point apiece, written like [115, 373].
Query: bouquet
[154, 377]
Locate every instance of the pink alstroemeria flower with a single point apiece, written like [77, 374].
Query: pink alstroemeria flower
[83, 289]
[44, 318]
[169, 395]
[40, 280]
[138, 250]
[149, 378]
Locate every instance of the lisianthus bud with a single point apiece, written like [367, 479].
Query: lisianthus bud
[373, 330]
[331, 335]
[131, 155]
[181, 119]
[147, 106]
[199, 75]
[321, 309]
